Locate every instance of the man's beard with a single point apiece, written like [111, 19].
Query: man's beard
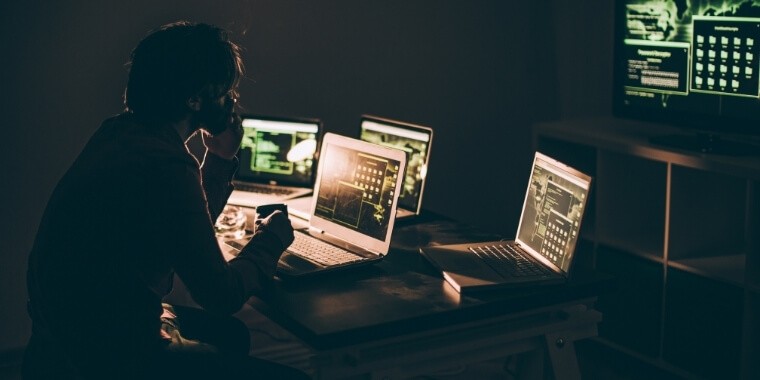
[215, 118]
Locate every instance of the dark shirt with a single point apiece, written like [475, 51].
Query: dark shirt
[133, 209]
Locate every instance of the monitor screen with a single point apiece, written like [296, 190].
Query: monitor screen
[689, 63]
[415, 142]
[552, 212]
[278, 150]
[356, 190]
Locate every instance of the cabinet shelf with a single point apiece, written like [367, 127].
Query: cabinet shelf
[632, 138]
[650, 253]
[678, 229]
[729, 269]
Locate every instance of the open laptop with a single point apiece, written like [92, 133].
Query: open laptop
[353, 208]
[416, 141]
[546, 236]
[277, 160]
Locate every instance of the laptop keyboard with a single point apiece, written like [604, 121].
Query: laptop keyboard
[508, 261]
[263, 189]
[320, 252]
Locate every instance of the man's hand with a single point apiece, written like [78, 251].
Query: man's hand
[227, 143]
[278, 224]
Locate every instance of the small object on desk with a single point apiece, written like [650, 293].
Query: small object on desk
[231, 223]
[263, 211]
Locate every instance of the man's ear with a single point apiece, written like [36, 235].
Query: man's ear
[194, 103]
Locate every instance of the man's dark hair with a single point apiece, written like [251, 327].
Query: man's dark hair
[176, 62]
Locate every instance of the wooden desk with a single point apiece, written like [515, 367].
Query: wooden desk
[399, 318]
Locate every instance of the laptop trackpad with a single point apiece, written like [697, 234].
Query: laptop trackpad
[294, 265]
[459, 261]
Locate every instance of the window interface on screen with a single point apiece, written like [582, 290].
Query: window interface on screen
[700, 57]
[281, 150]
[415, 144]
[356, 190]
[552, 213]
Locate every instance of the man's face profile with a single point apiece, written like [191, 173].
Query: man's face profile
[215, 114]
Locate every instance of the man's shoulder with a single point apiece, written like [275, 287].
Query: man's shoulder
[149, 144]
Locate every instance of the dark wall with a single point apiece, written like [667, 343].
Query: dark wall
[474, 71]
[478, 72]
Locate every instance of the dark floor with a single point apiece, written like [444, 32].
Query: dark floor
[600, 362]
[595, 361]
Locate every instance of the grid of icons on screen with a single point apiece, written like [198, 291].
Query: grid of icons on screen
[558, 230]
[370, 176]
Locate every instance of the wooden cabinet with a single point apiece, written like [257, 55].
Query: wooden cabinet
[680, 231]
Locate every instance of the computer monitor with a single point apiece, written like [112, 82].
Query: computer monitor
[415, 140]
[278, 150]
[692, 64]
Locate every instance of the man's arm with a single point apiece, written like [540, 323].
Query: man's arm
[217, 173]
[186, 238]
[220, 163]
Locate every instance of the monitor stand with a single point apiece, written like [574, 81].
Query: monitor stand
[707, 143]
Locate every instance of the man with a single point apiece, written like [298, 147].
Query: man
[134, 209]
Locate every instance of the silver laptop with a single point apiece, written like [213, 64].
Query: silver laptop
[415, 141]
[544, 248]
[353, 207]
[277, 160]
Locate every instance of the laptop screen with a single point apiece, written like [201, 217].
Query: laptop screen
[413, 139]
[278, 151]
[356, 189]
[552, 211]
